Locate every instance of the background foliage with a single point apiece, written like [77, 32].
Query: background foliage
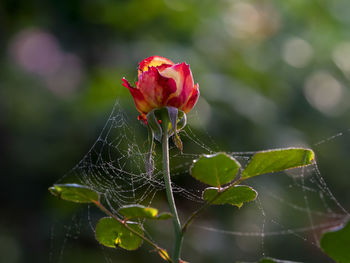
[271, 73]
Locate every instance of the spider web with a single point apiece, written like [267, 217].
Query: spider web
[290, 209]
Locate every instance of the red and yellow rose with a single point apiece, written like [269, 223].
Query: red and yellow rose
[163, 83]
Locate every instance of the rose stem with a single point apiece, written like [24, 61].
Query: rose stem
[169, 191]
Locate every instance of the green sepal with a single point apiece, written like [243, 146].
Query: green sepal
[75, 193]
[175, 117]
[177, 141]
[178, 121]
[154, 126]
[181, 121]
[172, 114]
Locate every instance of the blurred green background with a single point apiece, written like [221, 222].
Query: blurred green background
[271, 74]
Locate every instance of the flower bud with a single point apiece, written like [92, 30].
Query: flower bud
[162, 83]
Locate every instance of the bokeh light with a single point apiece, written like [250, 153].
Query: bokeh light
[271, 74]
[38, 52]
[325, 93]
[297, 52]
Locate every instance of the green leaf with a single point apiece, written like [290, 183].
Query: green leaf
[277, 160]
[164, 216]
[140, 211]
[112, 233]
[273, 260]
[235, 195]
[74, 193]
[336, 244]
[215, 170]
[267, 260]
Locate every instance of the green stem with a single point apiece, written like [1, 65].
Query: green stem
[169, 191]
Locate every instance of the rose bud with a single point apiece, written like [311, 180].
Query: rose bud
[163, 83]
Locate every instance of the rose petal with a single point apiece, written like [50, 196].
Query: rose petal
[141, 104]
[162, 83]
[182, 75]
[192, 100]
[154, 61]
[155, 88]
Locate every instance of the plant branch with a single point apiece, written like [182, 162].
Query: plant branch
[207, 204]
[161, 251]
